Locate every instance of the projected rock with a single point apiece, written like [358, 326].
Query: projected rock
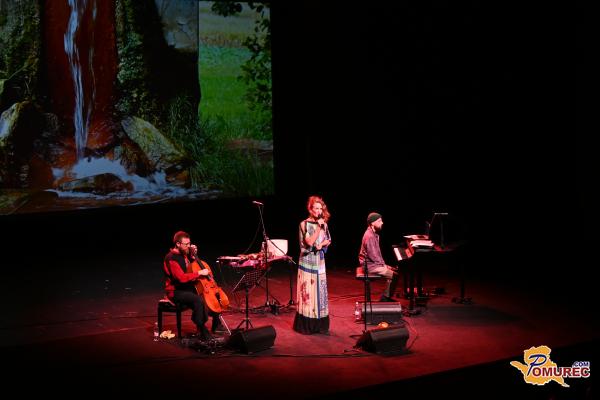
[162, 154]
[19, 125]
[98, 184]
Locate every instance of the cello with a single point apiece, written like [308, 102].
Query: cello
[214, 297]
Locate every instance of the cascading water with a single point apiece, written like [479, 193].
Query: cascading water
[83, 105]
[81, 66]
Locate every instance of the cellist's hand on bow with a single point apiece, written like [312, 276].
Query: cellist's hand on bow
[203, 272]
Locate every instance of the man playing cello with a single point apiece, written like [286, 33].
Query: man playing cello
[184, 276]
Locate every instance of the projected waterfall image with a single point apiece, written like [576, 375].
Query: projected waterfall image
[118, 103]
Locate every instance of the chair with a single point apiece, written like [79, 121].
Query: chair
[361, 276]
[166, 305]
[367, 287]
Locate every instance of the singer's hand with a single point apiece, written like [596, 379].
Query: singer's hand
[321, 222]
[203, 272]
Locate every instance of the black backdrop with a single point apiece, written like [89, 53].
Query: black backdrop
[399, 108]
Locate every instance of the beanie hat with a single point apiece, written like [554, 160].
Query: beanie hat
[373, 217]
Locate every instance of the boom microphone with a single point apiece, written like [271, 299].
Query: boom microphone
[258, 203]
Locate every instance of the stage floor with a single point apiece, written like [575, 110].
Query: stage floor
[96, 330]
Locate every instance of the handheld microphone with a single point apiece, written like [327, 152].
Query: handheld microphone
[258, 203]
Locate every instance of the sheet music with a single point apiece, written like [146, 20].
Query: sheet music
[398, 255]
[402, 253]
[421, 243]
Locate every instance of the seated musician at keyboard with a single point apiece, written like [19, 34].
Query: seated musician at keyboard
[370, 254]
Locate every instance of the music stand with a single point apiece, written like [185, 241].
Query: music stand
[248, 281]
[432, 233]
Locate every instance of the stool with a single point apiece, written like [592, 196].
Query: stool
[361, 276]
[166, 305]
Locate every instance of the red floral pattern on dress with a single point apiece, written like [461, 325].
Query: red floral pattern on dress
[304, 293]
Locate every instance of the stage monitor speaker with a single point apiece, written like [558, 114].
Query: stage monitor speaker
[253, 340]
[390, 340]
[390, 312]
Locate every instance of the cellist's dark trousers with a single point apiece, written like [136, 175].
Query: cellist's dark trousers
[196, 303]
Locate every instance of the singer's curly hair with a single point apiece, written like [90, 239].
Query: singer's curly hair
[316, 199]
[180, 235]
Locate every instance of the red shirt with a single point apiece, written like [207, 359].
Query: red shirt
[176, 278]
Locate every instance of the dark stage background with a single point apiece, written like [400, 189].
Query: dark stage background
[398, 108]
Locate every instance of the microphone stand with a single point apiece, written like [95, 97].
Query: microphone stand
[272, 307]
[291, 302]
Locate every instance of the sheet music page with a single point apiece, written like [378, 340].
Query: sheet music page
[397, 252]
[421, 243]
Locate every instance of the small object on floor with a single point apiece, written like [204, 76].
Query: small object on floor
[274, 308]
[167, 335]
[462, 300]
[210, 346]
[410, 313]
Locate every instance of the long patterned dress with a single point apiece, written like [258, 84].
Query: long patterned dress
[312, 314]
